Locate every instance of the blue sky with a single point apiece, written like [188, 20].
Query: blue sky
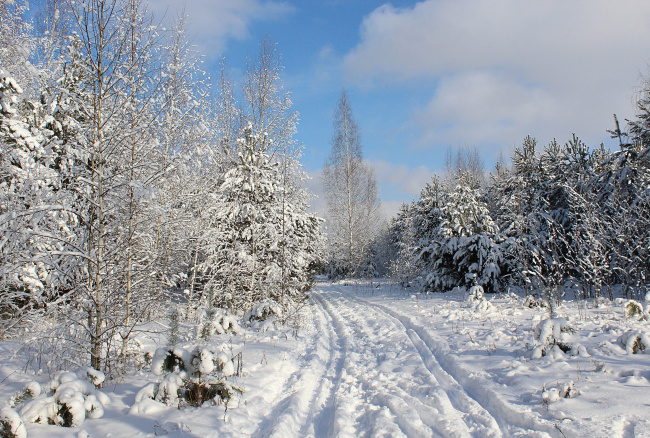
[424, 76]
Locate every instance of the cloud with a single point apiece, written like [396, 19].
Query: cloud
[400, 178]
[211, 23]
[498, 70]
[314, 187]
[390, 208]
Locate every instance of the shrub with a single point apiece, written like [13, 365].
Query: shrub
[216, 321]
[190, 378]
[263, 311]
[549, 336]
[634, 309]
[72, 398]
[562, 390]
[533, 301]
[11, 425]
[634, 342]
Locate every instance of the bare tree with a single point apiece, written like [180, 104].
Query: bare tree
[465, 162]
[351, 192]
[267, 106]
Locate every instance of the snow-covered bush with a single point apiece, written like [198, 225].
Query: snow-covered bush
[216, 321]
[561, 390]
[634, 342]
[11, 425]
[199, 362]
[475, 293]
[477, 299]
[189, 378]
[31, 390]
[263, 311]
[634, 309]
[533, 301]
[549, 338]
[170, 360]
[482, 305]
[72, 398]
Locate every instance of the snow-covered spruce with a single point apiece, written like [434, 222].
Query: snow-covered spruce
[31, 390]
[634, 342]
[476, 298]
[550, 338]
[72, 398]
[216, 321]
[634, 310]
[263, 314]
[475, 293]
[189, 378]
[259, 240]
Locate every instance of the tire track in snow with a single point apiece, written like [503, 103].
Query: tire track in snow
[339, 416]
[436, 353]
[416, 413]
[294, 414]
[322, 422]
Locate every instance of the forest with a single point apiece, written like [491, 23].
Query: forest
[136, 189]
[127, 181]
[129, 178]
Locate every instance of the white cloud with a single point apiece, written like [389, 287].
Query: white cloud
[498, 70]
[401, 178]
[390, 208]
[211, 23]
[314, 186]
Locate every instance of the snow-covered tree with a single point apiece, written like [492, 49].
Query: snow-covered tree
[17, 42]
[464, 251]
[351, 192]
[257, 246]
[26, 210]
[403, 266]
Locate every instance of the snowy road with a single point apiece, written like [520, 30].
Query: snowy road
[371, 371]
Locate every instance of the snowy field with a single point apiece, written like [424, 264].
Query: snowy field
[377, 361]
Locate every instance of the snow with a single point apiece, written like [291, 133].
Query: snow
[15, 424]
[370, 361]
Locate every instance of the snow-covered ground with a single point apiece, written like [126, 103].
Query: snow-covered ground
[377, 361]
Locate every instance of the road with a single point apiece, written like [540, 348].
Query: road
[371, 371]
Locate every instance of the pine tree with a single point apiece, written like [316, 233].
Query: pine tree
[257, 246]
[464, 251]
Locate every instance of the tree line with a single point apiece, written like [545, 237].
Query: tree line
[128, 178]
[559, 218]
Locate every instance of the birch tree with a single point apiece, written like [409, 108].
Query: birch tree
[351, 193]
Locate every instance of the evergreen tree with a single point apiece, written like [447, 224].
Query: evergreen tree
[257, 246]
[464, 251]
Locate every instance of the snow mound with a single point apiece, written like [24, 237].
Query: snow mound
[11, 424]
[475, 293]
[634, 342]
[70, 402]
[561, 390]
[263, 310]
